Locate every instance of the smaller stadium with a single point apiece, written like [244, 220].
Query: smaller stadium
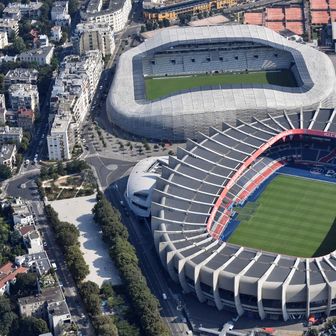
[245, 217]
[181, 81]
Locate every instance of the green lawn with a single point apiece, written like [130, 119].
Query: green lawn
[293, 216]
[157, 87]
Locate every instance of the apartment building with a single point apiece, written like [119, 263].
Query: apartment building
[3, 39]
[50, 305]
[11, 27]
[20, 76]
[94, 36]
[61, 138]
[8, 155]
[8, 273]
[23, 96]
[41, 56]
[18, 10]
[116, 15]
[59, 13]
[3, 109]
[10, 134]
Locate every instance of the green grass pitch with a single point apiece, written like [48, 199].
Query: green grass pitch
[157, 87]
[293, 216]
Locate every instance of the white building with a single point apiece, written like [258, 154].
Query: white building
[59, 13]
[8, 155]
[70, 100]
[17, 10]
[141, 183]
[94, 36]
[3, 110]
[20, 76]
[43, 40]
[115, 16]
[23, 96]
[22, 216]
[59, 315]
[61, 138]
[33, 242]
[11, 27]
[56, 33]
[42, 55]
[3, 39]
[10, 134]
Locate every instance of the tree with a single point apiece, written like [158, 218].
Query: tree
[31, 326]
[106, 290]
[73, 7]
[18, 45]
[7, 317]
[92, 303]
[25, 284]
[89, 287]
[5, 172]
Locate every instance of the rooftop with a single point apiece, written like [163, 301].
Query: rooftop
[58, 308]
[7, 151]
[43, 52]
[9, 271]
[52, 294]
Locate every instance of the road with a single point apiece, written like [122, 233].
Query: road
[55, 254]
[142, 240]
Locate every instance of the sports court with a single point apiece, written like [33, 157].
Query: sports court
[157, 87]
[293, 215]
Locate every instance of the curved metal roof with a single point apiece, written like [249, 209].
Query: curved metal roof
[179, 115]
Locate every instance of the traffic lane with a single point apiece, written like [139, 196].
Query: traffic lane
[55, 255]
[149, 263]
[24, 187]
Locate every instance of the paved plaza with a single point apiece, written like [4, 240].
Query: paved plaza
[78, 212]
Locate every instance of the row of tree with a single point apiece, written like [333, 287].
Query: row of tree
[67, 237]
[115, 234]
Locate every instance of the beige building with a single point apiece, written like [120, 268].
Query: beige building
[3, 40]
[3, 110]
[11, 27]
[94, 36]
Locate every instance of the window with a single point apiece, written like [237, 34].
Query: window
[236, 57]
[193, 60]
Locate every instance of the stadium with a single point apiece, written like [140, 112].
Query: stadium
[185, 80]
[245, 217]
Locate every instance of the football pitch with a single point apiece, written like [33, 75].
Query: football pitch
[293, 216]
[157, 87]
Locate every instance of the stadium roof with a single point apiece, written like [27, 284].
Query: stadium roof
[188, 197]
[181, 115]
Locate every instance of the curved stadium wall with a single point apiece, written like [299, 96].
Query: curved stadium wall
[190, 209]
[181, 115]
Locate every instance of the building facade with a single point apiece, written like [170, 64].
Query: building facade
[94, 36]
[3, 40]
[11, 27]
[41, 56]
[8, 155]
[169, 10]
[115, 16]
[10, 134]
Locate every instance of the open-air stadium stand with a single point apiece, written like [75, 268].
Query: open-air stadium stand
[182, 114]
[191, 206]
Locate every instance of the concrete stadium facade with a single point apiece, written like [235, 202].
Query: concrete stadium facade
[190, 210]
[181, 115]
